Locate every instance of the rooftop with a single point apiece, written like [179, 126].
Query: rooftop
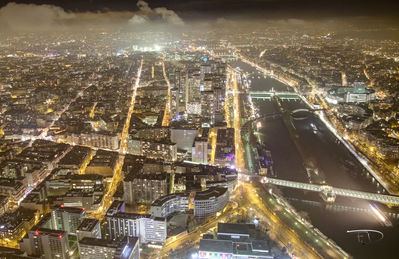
[90, 241]
[104, 158]
[165, 142]
[124, 252]
[163, 199]
[88, 224]
[76, 156]
[50, 232]
[132, 176]
[214, 245]
[234, 229]
[3, 199]
[127, 215]
[260, 246]
[94, 177]
[69, 209]
[211, 192]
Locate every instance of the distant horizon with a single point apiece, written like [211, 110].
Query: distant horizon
[233, 9]
[36, 16]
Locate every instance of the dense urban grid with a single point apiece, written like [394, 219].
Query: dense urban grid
[224, 142]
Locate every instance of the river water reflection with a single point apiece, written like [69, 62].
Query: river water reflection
[340, 168]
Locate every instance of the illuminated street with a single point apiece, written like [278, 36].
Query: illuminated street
[118, 174]
[213, 138]
[187, 241]
[66, 107]
[166, 117]
[239, 160]
[212, 129]
[305, 244]
[333, 159]
[286, 226]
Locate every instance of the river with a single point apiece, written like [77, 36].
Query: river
[340, 169]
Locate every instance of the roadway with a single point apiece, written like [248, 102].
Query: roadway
[43, 134]
[189, 239]
[117, 177]
[285, 225]
[302, 244]
[248, 202]
[14, 243]
[339, 164]
[167, 115]
[213, 133]
[239, 150]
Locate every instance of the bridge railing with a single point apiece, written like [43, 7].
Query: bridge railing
[383, 198]
[264, 94]
[367, 196]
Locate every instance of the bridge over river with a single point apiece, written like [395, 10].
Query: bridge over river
[270, 94]
[330, 191]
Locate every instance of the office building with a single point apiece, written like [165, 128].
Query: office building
[357, 94]
[166, 205]
[144, 188]
[153, 148]
[67, 218]
[183, 137]
[102, 140]
[90, 200]
[89, 228]
[4, 204]
[46, 243]
[94, 248]
[14, 190]
[14, 224]
[86, 182]
[210, 201]
[147, 228]
[103, 163]
[234, 241]
[200, 150]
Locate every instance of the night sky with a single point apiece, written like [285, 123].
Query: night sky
[235, 8]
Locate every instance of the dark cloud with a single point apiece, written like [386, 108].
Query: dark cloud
[180, 15]
[260, 8]
[43, 17]
[147, 14]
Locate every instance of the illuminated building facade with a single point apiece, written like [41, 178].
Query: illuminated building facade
[46, 243]
[166, 205]
[154, 149]
[234, 241]
[200, 150]
[210, 201]
[144, 188]
[94, 248]
[147, 228]
[67, 218]
[89, 228]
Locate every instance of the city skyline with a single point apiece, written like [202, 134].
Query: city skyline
[172, 16]
[199, 130]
